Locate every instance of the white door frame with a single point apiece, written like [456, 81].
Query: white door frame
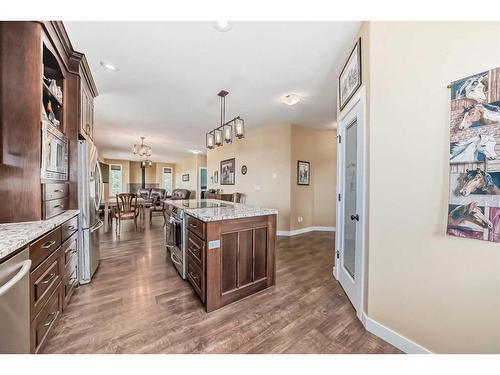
[355, 109]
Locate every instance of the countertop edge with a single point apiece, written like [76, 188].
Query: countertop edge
[32, 231]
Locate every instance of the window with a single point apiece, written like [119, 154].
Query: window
[115, 179]
[167, 180]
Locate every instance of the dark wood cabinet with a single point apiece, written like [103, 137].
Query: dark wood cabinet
[31, 54]
[20, 133]
[53, 279]
[231, 259]
[88, 92]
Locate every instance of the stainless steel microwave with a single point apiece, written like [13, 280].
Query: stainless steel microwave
[54, 153]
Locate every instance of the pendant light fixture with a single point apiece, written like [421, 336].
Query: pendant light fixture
[142, 149]
[226, 130]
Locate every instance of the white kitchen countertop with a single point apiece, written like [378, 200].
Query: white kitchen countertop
[230, 211]
[14, 236]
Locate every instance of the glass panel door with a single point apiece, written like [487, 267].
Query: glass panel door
[350, 189]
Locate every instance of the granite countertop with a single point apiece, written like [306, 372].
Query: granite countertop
[16, 235]
[228, 212]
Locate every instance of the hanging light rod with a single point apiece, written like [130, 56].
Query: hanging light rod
[224, 132]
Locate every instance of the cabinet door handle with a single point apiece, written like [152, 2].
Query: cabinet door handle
[193, 276]
[57, 206]
[71, 227]
[59, 191]
[47, 279]
[52, 317]
[48, 245]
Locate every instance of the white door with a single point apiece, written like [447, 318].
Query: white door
[350, 208]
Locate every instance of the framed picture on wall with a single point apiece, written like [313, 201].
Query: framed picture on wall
[303, 172]
[185, 177]
[227, 168]
[216, 177]
[350, 76]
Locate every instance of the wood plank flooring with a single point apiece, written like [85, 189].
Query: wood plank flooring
[137, 303]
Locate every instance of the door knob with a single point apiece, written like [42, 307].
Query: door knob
[355, 217]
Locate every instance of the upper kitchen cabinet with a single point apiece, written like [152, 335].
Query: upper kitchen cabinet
[46, 101]
[88, 92]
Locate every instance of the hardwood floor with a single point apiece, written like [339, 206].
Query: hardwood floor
[137, 303]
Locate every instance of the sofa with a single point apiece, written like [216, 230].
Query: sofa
[178, 194]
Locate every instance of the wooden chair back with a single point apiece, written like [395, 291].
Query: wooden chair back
[126, 202]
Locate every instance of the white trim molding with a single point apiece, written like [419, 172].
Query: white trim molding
[291, 233]
[392, 337]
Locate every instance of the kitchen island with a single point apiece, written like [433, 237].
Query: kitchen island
[230, 250]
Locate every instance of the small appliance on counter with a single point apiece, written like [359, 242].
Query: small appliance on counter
[90, 192]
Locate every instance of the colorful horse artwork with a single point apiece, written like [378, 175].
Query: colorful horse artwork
[480, 114]
[468, 221]
[477, 181]
[469, 150]
[474, 87]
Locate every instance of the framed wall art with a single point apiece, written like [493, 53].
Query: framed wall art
[350, 76]
[185, 177]
[227, 169]
[303, 172]
[474, 204]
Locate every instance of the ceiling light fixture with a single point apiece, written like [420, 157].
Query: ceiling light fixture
[226, 130]
[223, 26]
[109, 66]
[291, 99]
[143, 150]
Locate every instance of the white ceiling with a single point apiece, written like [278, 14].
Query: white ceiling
[170, 73]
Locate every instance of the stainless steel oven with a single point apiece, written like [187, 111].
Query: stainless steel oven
[54, 153]
[176, 239]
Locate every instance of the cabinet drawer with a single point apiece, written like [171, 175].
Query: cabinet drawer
[43, 247]
[54, 191]
[70, 281]
[44, 323]
[68, 228]
[44, 280]
[196, 278]
[54, 207]
[70, 248]
[196, 226]
[196, 248]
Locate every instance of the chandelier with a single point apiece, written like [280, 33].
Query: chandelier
[142, 149]
[224, 133]
[145, 151]
[146, 163]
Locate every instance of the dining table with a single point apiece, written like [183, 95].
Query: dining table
[144, 204]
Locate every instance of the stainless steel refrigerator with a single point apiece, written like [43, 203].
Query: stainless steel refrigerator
[90, 192]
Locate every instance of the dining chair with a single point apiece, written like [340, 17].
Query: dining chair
[157, 204]
[126, 209]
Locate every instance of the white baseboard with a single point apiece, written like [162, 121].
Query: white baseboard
[295, 232]
[399, 341]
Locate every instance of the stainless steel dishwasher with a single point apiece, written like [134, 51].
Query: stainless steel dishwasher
[15, 304]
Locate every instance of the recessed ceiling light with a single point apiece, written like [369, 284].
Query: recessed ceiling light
[109, 66]
[196, 152]
[223, 25]
[291, 99]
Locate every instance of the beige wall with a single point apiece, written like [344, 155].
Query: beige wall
[189, 166]
[131, 173]
[266, 153]
[270, 154]
[441, 292]
[315, 203]
[136, 173]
